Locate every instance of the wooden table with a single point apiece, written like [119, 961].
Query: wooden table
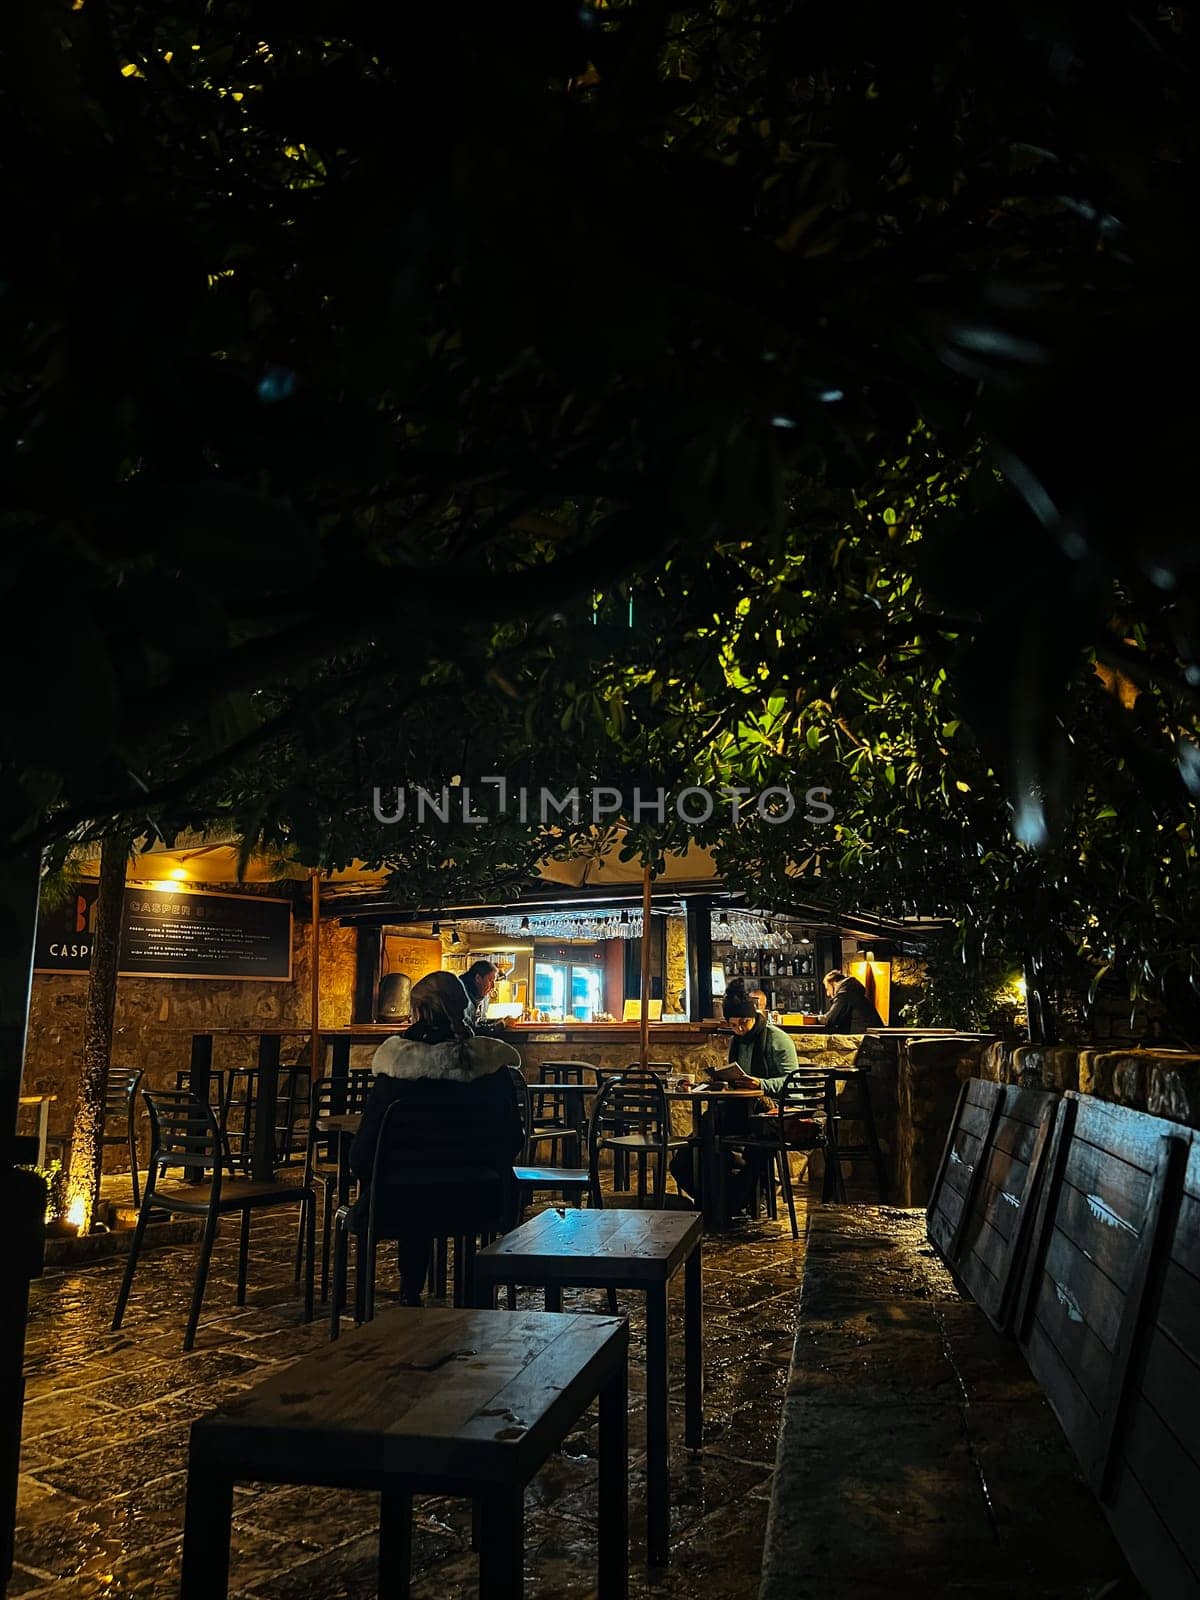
[423, 1402]
[639, 1250]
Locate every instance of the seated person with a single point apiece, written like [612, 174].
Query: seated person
[769, 1054]
[760, 1054]
[449, 1158]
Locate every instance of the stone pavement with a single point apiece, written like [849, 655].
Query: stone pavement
[917, 1455]
[106, 1426]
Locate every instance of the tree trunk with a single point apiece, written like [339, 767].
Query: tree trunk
[83, 1183]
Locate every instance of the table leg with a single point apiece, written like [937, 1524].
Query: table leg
[200, 1072]
[263, 1168]
[658, 1481]
[575, 1117]
[339, 1066]
[614, 1486]
[502, 1544]
[713, 1202]
[553, 1300]
[395, 1542]
[693, 1349]
[207, 1520]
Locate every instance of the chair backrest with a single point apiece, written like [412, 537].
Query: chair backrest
[525, 1106]
[183, 1133]
[634, 1102]
[803, 1093]
[443, 1165]
[120, 1089]
[335, 1097]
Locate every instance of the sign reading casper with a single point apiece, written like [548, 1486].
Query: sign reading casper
[171, 933]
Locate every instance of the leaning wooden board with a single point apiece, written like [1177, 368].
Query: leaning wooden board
[993, 1239]
[980, 1216]
[1153, 1486]
[1110, 1325]
[979, 1103]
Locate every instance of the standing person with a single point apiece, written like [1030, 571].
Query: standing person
[479, 980]
[850, 1009]
[461, 1128]
[759, 997]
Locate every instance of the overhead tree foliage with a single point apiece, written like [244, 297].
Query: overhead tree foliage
[350, 376]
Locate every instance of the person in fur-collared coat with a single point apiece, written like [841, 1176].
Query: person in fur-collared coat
[447, 1162]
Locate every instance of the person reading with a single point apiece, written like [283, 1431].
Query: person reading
[760, 1057]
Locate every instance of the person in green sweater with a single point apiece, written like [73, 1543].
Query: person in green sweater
[760, 1057]
[760, 1054]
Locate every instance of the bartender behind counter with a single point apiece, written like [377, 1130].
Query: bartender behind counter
[479, 980]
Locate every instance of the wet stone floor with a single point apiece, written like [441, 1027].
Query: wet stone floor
[107, 1416]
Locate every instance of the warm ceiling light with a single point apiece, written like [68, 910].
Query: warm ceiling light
[454, 939]
[177, 873]
[437, 928]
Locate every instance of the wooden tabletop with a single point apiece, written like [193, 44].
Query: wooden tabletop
[567, 1246]
[432, 1393]
[346, 1123]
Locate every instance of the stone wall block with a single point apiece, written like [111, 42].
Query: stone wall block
[1173, 1089]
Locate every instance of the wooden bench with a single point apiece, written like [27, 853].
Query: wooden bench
[638, 1250]
[423, 1401]
[1102, 1288]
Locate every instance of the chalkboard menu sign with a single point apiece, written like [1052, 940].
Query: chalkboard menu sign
[173, 933]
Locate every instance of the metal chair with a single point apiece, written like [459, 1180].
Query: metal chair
[803, 1095]
[559, 1119]
[184, 1133]
[606, 1075]
[241, 1094]
[120, 1100]
[571, 1182]
[329, 1097]
[631, 1118]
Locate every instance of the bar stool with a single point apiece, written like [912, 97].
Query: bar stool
[241, 1084]
[861, 1111]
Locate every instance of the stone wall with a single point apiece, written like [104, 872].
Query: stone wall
[1165, 1083]
[930, 1074]
[156, 1016]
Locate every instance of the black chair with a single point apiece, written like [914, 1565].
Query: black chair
[558, 1119]
[219, 1079]
[631, 1118]
[803, 1102]
[120, 1100]
[571, 1182]
[329, 1097]
[184, 1133]
[606, 1075]
[427, 1181]
[237, 1111]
